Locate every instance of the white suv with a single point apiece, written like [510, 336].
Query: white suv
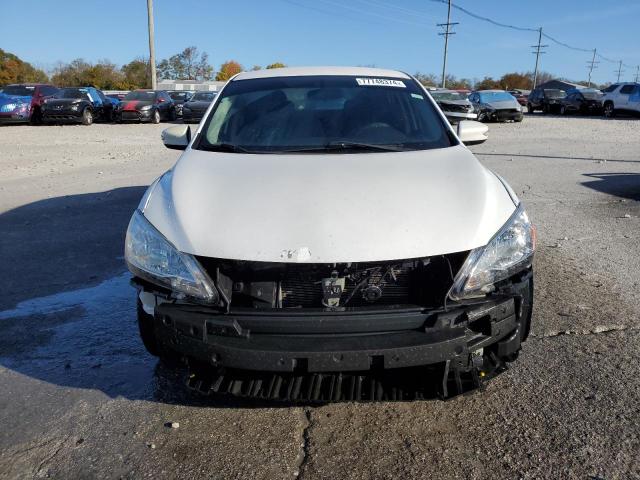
[621, 96]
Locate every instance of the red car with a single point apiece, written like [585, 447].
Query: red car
[522, 96]
[22, 102]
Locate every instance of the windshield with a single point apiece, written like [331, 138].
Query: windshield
[19, 90]
[448, 96]
[140, 95]
[552, 93]
[203, 97]
[592, 94]
[488, 97]
[74, 93]
[321, 113]
[179, 96]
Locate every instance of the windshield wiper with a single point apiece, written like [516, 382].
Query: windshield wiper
[224, 147]
[345, 146]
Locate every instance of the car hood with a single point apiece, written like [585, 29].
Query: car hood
[327, 208]
[454, 102]
[504, 104]
[61, 101]
[133, 105]
[197, 105]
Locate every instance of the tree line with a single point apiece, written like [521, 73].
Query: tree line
[190, 64]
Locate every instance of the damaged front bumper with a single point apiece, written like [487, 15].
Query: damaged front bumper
[348, 340]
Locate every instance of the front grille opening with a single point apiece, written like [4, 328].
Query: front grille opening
[419, 282]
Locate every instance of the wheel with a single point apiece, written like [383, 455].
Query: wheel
[87, 116]
[150, 341]
[609, 111]
[481, 117]
[519, 119]
[155, 117]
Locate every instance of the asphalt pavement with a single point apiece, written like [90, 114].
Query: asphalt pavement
[80, 397]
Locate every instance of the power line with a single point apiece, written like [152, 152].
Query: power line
[447, 32]
[486, 19]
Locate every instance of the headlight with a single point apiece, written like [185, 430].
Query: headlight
[145, 108]
[151, 256]
[75, 106]
[508, 252]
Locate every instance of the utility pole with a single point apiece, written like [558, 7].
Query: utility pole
[152, 50]
[619, 71]
[446, 34]
[592, 64]
[537, 53]
[637, 73]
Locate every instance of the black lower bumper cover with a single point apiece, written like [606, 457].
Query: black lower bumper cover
[293, 356]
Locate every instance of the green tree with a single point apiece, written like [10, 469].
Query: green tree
[15, 70]
[136, 74]
[426, 79]
[186, 65]
[487, 83]
[276, 65]
[227, 70]
[256, 68]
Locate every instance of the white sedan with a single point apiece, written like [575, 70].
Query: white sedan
[324, 225]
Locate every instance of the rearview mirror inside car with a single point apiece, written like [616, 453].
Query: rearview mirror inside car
[177, 137]
[471, 132]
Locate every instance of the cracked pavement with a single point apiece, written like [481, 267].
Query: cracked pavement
[79, 397]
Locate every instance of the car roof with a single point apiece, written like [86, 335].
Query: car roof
[490, 90]
[309, 71]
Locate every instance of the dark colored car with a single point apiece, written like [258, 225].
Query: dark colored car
[496, 105]
[21, 103]
[116, 96]
[586, 101]
[455, 105]
[521, 96]
[146, 106]
[546, 99]
[179, 98]
[77, 104]
[194, 109]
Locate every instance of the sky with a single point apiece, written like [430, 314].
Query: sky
[398, 34]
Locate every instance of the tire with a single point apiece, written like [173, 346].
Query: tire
[87, 116]
[563, 110]
[519, 119]
[609, 111]
[530, 108]
[155, 117]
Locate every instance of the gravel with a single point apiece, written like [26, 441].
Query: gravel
[568, 408]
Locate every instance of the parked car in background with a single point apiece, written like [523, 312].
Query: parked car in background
[117, 95]
[521, 96]
[621, 97]
[195, 108]
[21, 103]
[586, 101]
[179, 97]
[79, 105]
[496, 105]
[146, 106]
[546, 99]
[238, 263]
[455, 106]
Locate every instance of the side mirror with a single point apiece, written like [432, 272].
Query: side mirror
[471, 132]
[177, 137]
